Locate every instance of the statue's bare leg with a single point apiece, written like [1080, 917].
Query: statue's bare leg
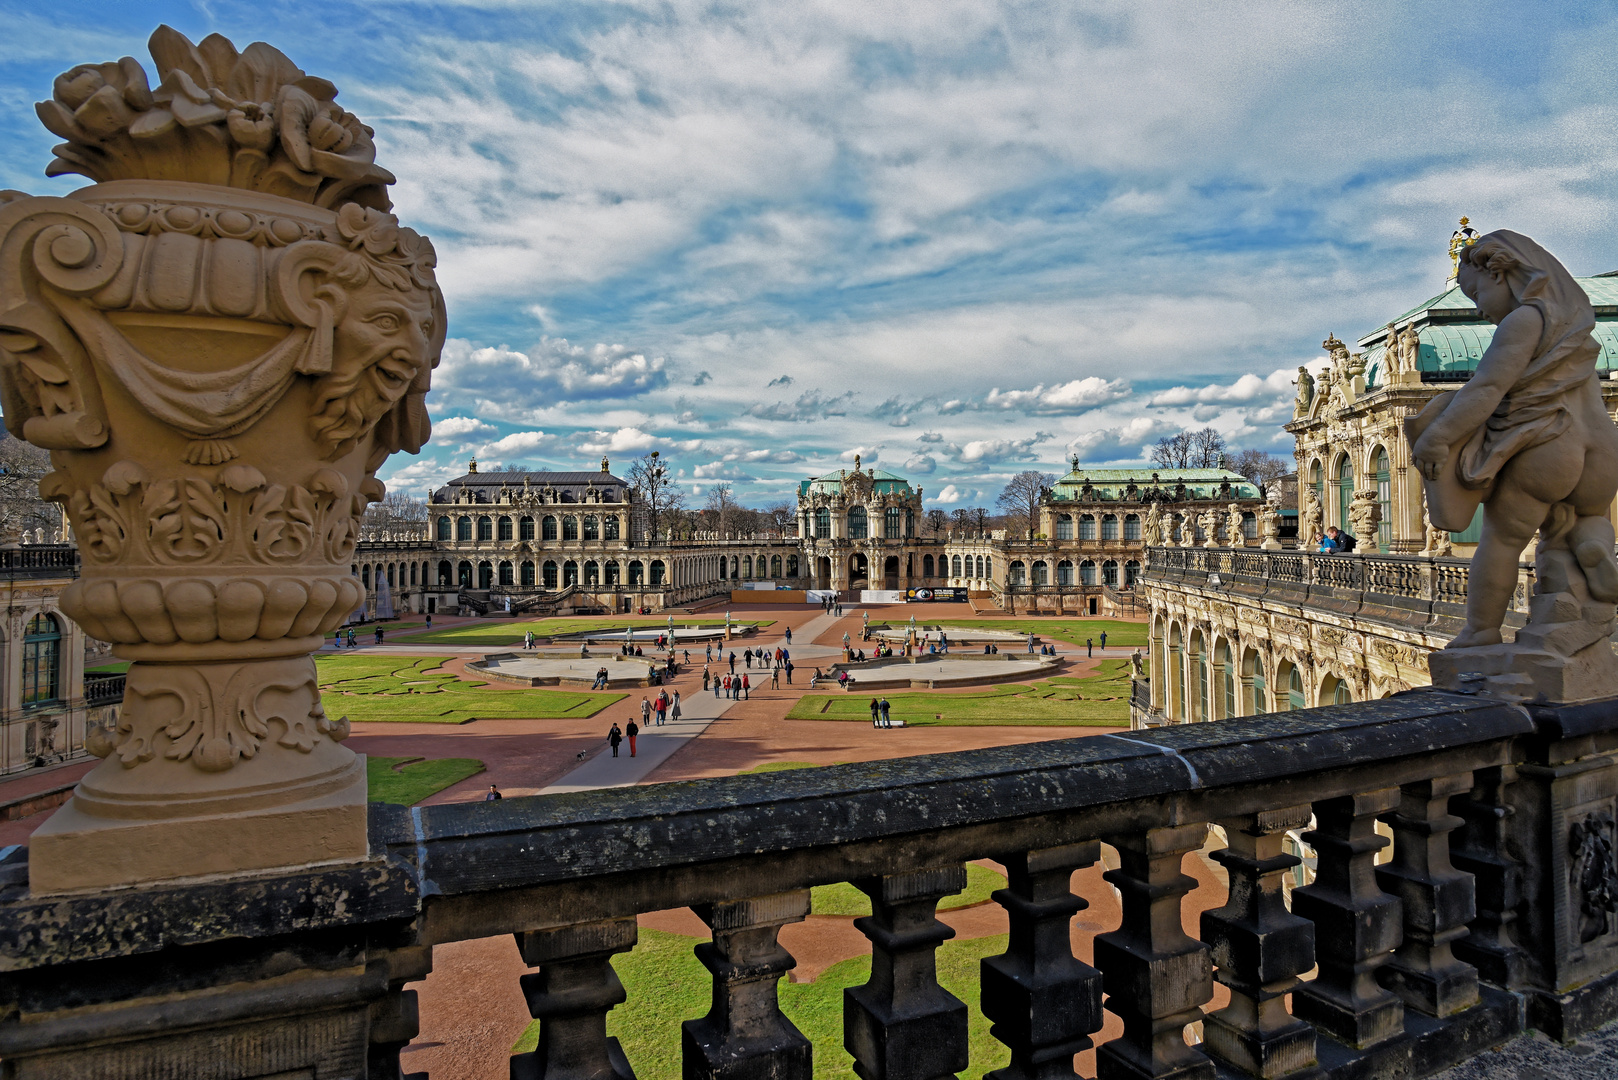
[1510, 518]
[1592, 542]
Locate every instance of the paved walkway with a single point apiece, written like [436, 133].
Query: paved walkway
[654, 746]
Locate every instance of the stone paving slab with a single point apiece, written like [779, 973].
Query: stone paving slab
[654, 746]
[1534, 1057]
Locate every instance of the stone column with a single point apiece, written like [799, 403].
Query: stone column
[219, 368]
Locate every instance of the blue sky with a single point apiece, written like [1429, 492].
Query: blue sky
[960, 239]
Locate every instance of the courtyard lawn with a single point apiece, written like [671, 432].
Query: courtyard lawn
[400, 689]
[115, 667]
[844, 899]
[407, 781]
[1073, 631]
[1098, 700]
[497, 632]
[666, 985]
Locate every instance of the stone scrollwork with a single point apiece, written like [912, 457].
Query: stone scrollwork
[1593, 874]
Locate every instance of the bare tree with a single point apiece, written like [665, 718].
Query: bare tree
[1020, 500]
[721, 509]
[962, 516]
[1200, 449]
[397, 514]
[781, 515]
[22, 466]
[1260, 467]
[655, 488]
[935, 521]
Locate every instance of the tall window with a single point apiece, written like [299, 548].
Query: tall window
[1199, 672]
[792, 566]
[549, 574]
[857, 523]
[1384, 498]
[463, 528]
[570, 573]
[910, 523]
[1109, 573]
[775, 565]
[822, 522]
[1087, 527]
[1014, 576]
[42, 660]
[1087, 573]
[1345, 492]
[592, 527]
[1131, 526]
[611, 525]
[525, 528]
[1227, 671]
[485, 529]
[926, 566]
[1253, 675]
[1064, 526]
[657, 571]
[1064, 572]
[507, 575]
[1131, 573]
[570, 528]
[1295, 697]
[528, 573]
[1109, 527]
[504, 525]
[893, 520]
[1040, 571]
[955, 566]
[547, 527]
[443, 528]
[444, 572]
[485, 575]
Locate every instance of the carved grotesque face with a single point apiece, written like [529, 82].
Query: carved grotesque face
[384, 339]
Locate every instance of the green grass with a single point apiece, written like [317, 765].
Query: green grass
[1098, 700]
[373, 688]
[844, 899]
[117, 667]
[1073, 631]
[485, 634]
[667, 985]
[778, 766]
[407, 781]
[388, 627]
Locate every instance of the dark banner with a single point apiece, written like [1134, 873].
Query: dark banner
[922, 595]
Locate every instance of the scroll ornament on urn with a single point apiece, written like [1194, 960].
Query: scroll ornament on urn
[220, 341]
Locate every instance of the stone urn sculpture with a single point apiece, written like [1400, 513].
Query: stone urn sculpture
[220, 342]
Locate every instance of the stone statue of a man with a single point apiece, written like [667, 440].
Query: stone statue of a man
[1152, 531]
[1306, 391]
[1234, 536]
[1310, 521]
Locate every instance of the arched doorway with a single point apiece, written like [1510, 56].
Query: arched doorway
[823, 572]
[890, 572]
[859, 571]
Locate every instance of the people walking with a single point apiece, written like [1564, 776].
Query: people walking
[1103, 639]
[716, 686]
[632, 730]
[1089, 647]
[351, 643]
[614, 737]
[789, 635]
[775, 677]
[645, 709]
[747, 658]
[379, 635]
[733, 661]
[674, 709]
[788, 667]
[705, 676]
[746, 685]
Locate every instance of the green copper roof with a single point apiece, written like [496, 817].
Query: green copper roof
[1114, 484]
[882, 483]
[1454, 336]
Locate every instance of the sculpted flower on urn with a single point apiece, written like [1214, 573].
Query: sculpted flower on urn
[220, 342]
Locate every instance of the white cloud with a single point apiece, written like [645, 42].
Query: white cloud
[773, 457]
[460, 429]
[720, 470]
[951, 494]
[921, 465]
[520, 442]
[990, 451]
[501, 381]
[868, 455]
[812, 405]
[1079, 395]
[1247, 388]
[1127, 442]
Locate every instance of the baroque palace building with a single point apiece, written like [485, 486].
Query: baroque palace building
[1240, 631]
[581, 541]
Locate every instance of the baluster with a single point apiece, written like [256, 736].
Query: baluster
[1357, 925]
[1438, 899]
[1481, 850]
[396, 1018]
[1260, 949]
[1044, 1002]
[1155, 975]
[570, 995]
[744, 1034]
[901, 1025]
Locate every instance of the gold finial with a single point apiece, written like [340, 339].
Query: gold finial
[856, 463]
[1459, 240]
[472, 466]
[604, 464]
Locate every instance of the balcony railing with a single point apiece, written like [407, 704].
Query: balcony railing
[103, 689]
[1410, 590]
[40, 560]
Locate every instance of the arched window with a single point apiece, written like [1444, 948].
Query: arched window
[463, 528]
[775, 566]
[910, 522]
[1087, 527]
[955, 566]
[1199, 675]
[1338, 690]
[612, 573]
[1109, 527]
[1040, 572]
[527, 571]
[822, 522]
[792, 566]
[1345, 492]
[507, 576]
[1109, 573]
[592, 572]
[1317, 480]
[592, 527]
[525, 528]
[982, 567]
[445, 572]
[988, 566]
[1131, 573]
[1064, 572]
[610, 527]
[570, 528]
[1087, 572]
[1157, 674]
[1384, 498]
[893, 521]
[1254, 698]
[657, 571]
[365, 577]
[1014, 576]
[926, 566]
[485, 574]
[504, 524]
[547, 527]
[1295, 695]
[1227, 677]
[735, 567]
[485, 529]
[856, 523]
[1131, 526]
[747, 566]
[1176, 703]
[570, 573]
[412, 573]
[637, 572]
[391, 581]
[1249, 525]
[1064, 526]
[444, 529]
[463, 574]
[41, 661]
[548, 574]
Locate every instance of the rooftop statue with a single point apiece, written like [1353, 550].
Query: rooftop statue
[1527, 438]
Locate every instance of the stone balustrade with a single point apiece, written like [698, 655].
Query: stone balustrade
[1490, 908]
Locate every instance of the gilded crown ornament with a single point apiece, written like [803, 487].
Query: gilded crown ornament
[220, 342]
